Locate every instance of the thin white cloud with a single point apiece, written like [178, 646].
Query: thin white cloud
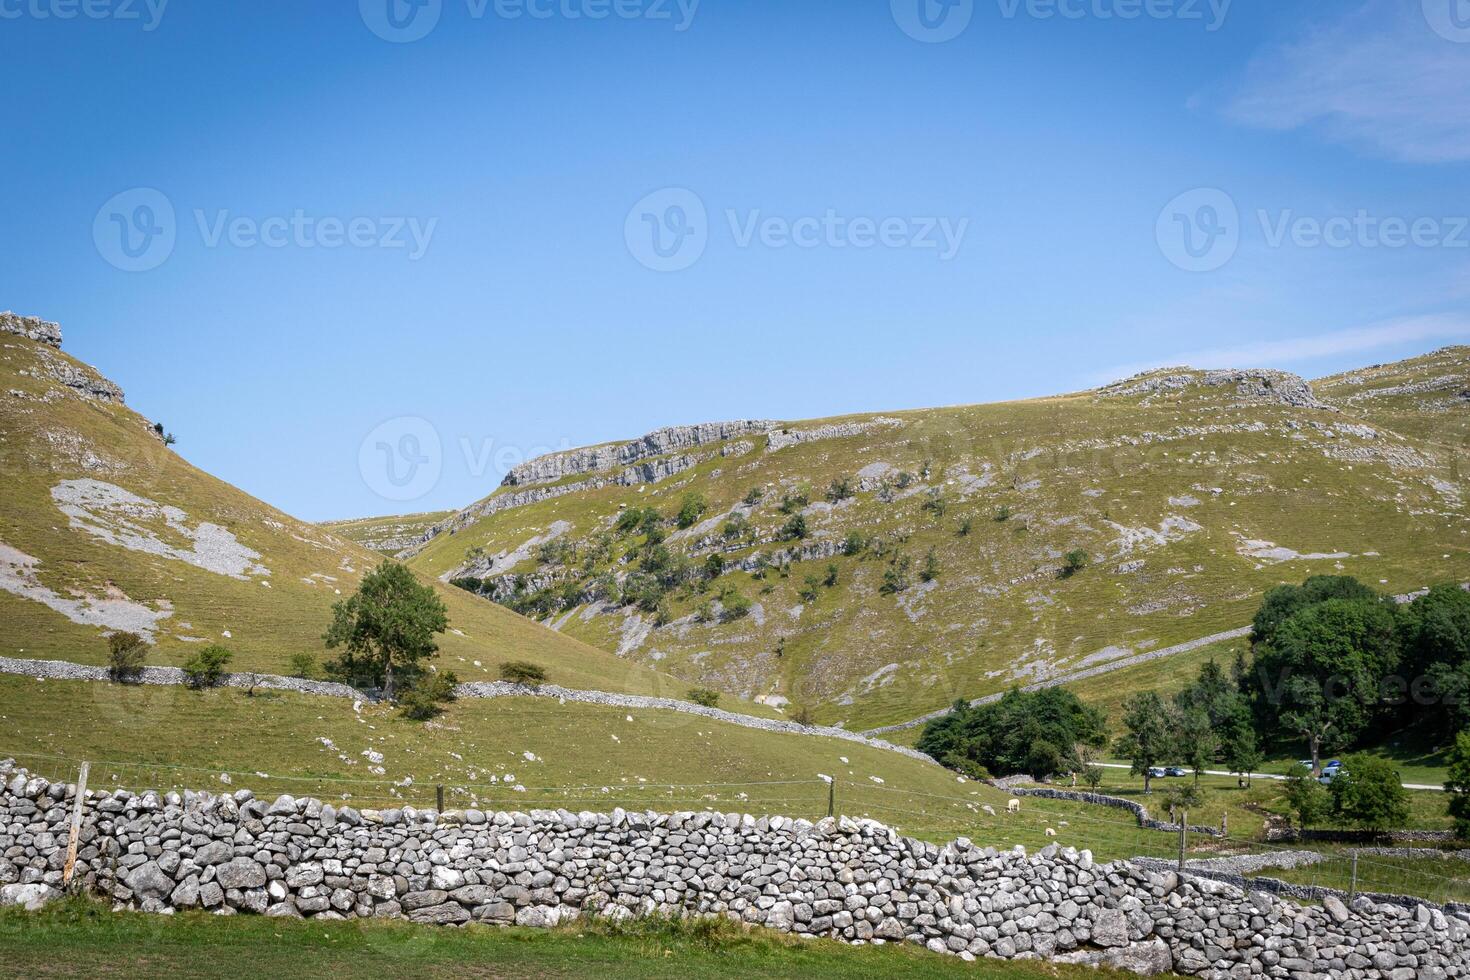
[1379, 77]
[1292, 350]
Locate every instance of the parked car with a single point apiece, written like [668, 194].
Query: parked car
[1334, 764]
[1328, 775]
[1156, 772]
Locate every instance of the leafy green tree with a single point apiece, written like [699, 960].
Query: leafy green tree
[839, 490]
[830, 579]
[1183, 797]
[1368, 792]
[691, 509]
[794, 529]
[206, 667]
[429, 692]
[1435, 629]
[303, 665]
[704, 697]
[1148, 737]
[1196, 740]
[854, 543]
[1308, 799]
[1321, 671]
[125, 655]
[753, 496]
[809, 590]
[386, 628]
[1092, 776]
[1284, 601]
[1238, 745]
[1034, 732]
[1073, 562]
[1457, 784]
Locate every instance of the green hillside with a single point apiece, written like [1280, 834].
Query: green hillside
[928, 549]
[103, 526]
[386, 535]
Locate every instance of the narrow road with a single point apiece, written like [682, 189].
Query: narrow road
[1267, 775]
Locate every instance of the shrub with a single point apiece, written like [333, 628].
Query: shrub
[1367, 792]
[964, 528]
[809, 590]
[303, 665]
[896, 575]
[714, 566]
[734, 603]
[839, 490]
[793, 502]
[830, 579]
[802, 715]
[930, 571]
[1003, 513]
[469, 583]
[691, 509]
[1308, 799]
[426, 696]
[754, 496]
[1092, 777]
[522, 672]
[1073, 562]
[854, 543]
[125, 653]
[207, 667]
[735, 528]
[794, 529]
[935, 503]
[704, 697]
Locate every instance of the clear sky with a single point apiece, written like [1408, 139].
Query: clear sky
[535, 224]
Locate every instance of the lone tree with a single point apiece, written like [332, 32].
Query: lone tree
[125, 653]
[1150, 734]
[1367, 792]
[386, 629]
[1308, 799]
[1457, 784]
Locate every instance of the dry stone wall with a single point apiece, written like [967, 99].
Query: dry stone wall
[856, 881]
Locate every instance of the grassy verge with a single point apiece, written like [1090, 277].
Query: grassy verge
[1446, 880]
[78, 937]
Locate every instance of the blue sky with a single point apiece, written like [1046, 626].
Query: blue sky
[852, 215]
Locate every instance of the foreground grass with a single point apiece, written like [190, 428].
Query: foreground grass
[79, 936]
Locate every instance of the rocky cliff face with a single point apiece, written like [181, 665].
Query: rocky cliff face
[31, 328]
[1254, 385]
[594, 459]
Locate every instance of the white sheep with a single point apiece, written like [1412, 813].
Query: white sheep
[1014, 806]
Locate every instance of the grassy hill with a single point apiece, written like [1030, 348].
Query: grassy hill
[930, 560]
[387, 535]
[103, 526]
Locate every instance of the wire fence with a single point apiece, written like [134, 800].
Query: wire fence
[982, 816]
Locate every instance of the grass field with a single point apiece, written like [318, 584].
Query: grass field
[1441, 880]
[81, 938]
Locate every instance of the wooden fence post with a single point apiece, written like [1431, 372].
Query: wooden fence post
[76, 827]
[439, 797]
